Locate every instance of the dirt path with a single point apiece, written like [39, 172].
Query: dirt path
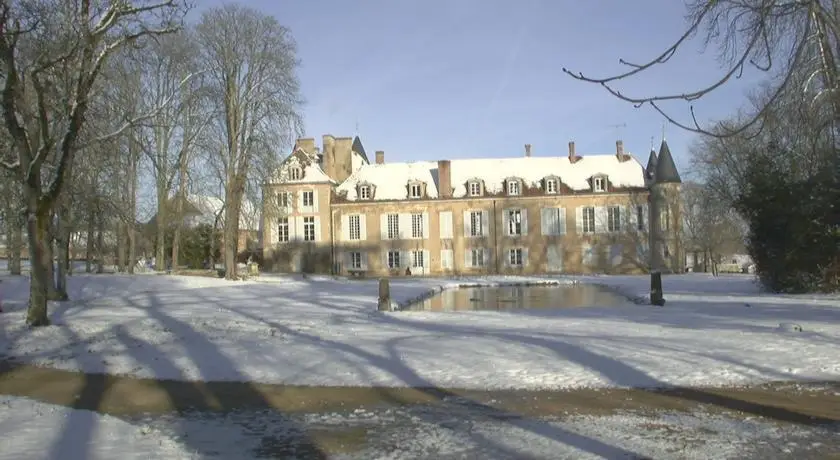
[806, 404]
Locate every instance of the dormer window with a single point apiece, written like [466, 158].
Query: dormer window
[551, 186]
[364, 192]
[599, 184]
[295, 173]
[474, 188]
[415, 190]
[513, 187]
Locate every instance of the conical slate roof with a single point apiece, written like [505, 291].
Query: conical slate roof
[650, 170]
[666, 169]
[359, 148]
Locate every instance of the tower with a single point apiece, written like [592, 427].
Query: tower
[665, 211]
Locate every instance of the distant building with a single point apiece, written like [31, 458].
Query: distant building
[331, 210]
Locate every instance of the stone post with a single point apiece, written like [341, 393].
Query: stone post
[656, 295]
[384, 295]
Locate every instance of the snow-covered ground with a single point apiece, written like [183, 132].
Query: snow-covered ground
[34, 430]
[324, 331]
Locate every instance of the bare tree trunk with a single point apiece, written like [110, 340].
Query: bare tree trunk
[49, 258]
[233, 197]
[160, 244]
[15, 238]
[179, 209]
[63, 251]
[122, 236]
[132, 208]
[100, 242]
[38, 223]
[89, 249]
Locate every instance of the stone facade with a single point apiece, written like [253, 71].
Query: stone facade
[593, 224]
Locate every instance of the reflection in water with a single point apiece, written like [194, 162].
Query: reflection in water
[514, 297]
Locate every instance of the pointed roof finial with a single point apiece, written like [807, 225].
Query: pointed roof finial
[664, 123]
[652, 145]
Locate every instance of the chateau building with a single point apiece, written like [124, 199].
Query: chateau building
[331, 210]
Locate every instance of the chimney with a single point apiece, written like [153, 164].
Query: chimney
[307, 144]
[619, 149]
[380, 157]
[444, 179]
[573, 158]
[527, 150]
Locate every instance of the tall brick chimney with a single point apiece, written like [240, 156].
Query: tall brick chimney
[445, 179]
[573, 158]
[619, 151]
[380, 157]
[527, 150]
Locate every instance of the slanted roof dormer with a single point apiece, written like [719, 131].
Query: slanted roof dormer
[415, 189]
[600, 183]
[513, 186]
[475, 187]
[551, 185]
[365, 191]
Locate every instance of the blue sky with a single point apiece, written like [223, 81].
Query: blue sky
[432, 79]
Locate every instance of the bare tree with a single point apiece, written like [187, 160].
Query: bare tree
[252, 75]
[43, 43]
[778, 38]
[711, 227]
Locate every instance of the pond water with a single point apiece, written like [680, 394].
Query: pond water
[519, 297]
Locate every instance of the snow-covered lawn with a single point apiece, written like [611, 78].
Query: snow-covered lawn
[324, 331]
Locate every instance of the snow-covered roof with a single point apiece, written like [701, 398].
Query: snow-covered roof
[307, 162]
[390, 179]
[209, 206]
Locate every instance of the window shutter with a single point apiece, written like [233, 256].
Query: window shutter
[486, 257]
[579, 220]
[315, 200]
[561, 217]
[524, 214]
[468, 258]
[384, 255]
[383, 226]
[600, 219]
[345, 227]
[524, 257]
[506, 221]
[485, 223]
[630, 219]
[426, 261]
[467, 224]
[348, 261]
[405, 259]
[446, 259]
[546, 215]
[405, 225]
[298, 228]
[300, 200]
[317, 228]
[363, 226]
[506, 255]
[445, 225]
[425, 225]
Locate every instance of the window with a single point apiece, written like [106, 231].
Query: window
[283, 200]
[599, 184]
[446, 259]
[514, 222]
[309, 198]
[283, 229]
[550, 186]
[665, 218]
[554, 221]
[309, 229]
[295, 173]
[476, 223]
[414, 191]
[393, 226]
[640, 217]
[355, 227]
[417, 258]
[588, 219]
[666, 252]
[393, 259]
[614, 218]
[417, 225]
[515, 257]
[476, 257]
[475, 188]
[513, 187]
[364, 192]
[356, 260]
